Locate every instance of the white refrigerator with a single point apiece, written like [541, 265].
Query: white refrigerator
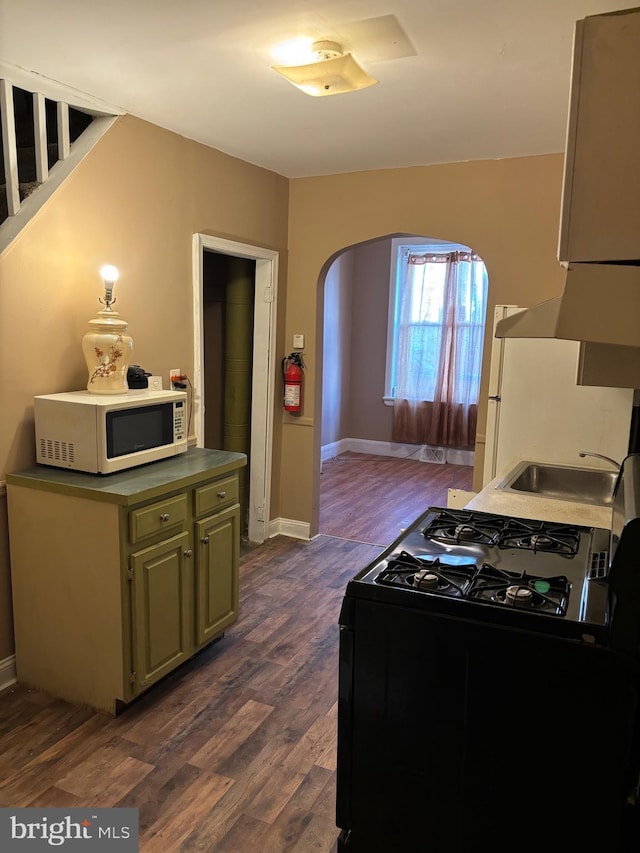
[537, 412]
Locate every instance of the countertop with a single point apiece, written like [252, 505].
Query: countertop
[135, 484]
[499, 502]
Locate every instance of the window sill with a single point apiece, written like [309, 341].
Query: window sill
[389, 401]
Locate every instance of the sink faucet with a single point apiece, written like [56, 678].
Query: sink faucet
[613, 462]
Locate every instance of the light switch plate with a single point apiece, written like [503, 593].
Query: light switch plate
[155, 383]
[298, 341]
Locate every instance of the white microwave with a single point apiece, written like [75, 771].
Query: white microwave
[101, 434]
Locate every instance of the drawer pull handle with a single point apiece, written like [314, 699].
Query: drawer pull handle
[205, 540]
[188, 552]
[164, 516]
[222, 495]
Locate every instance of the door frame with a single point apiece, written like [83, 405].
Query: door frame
[263, 370]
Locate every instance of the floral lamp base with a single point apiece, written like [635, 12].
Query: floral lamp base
[107, 351]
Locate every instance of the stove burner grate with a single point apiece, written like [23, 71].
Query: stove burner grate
[463, 528]
[427, 575]
[561, 539]
[456, 527]
[520, 591]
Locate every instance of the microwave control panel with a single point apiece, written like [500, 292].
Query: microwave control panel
[179, 421]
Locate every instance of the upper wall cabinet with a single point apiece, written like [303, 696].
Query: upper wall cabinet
[608, 365]
[600, 218]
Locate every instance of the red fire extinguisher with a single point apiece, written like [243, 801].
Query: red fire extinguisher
[292, 372]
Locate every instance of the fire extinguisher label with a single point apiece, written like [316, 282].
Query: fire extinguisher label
[292, 395]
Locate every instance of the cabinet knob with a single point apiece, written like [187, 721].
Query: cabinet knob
[222, 494]
[188, 552]
[205, 540]
[164, 516]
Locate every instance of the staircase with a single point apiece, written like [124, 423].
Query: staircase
[43, 138]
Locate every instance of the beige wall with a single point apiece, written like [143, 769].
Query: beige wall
[6, 615]
[135, 201]
[507, 210]
[337, 352]
[369, 418]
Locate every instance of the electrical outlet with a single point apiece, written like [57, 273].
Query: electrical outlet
[155, 383]
[175, 371]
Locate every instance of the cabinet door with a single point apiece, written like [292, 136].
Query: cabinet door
[601, 198]
[609, 365]
[218, 546]
[161, 608]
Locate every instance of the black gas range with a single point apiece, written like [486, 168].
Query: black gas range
[537, 575]
[489, 683]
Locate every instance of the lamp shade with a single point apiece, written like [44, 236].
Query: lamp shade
[336, 75]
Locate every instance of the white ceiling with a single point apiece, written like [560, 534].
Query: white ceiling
[458, 79]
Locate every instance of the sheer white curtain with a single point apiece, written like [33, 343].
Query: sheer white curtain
[439, 337]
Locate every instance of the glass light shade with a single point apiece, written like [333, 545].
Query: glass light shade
[334, 76]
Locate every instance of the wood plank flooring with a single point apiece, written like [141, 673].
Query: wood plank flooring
[235, 752]
[371, 498]
[232, 753]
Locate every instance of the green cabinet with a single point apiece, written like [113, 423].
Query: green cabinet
[118, 580]
[161, 609]
[217, 540]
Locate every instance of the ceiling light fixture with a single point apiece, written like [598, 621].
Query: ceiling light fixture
[332, 73]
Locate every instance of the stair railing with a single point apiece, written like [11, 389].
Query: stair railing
[21, 197]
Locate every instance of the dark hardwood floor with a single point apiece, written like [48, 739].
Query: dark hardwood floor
[234, 752]
[371, 498]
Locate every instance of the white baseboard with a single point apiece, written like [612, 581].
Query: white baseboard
[460, 457]
[421, 452]
[329, 451]
[289, 527]
[8, 672]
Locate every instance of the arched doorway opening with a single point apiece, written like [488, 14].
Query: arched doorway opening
[356, 298]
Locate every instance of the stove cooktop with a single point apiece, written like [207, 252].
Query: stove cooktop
[474, 528]
[533, 574]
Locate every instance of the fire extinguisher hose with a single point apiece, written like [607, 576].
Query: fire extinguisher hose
[292, 358]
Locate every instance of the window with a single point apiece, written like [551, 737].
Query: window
[420, 333]
[431, 309]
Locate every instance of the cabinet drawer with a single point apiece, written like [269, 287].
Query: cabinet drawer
[157, 518]
[216, 495]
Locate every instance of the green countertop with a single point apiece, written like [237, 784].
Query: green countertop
[135, 484]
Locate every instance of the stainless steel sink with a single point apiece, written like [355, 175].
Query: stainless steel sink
[561, 482]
